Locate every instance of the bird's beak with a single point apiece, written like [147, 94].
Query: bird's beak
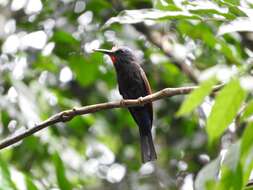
[105, 51]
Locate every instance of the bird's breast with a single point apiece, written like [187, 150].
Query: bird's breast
[128, 79]
[130, 83]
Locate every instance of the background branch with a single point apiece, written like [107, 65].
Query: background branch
[67, 115]
[160, 41]
[156, 38]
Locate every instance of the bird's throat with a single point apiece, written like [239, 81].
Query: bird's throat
[113, 58]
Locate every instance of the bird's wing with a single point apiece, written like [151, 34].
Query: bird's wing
[143, 76]
[149, 106]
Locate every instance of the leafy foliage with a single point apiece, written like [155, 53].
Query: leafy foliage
[226, 106]
[196, 97]
[60, 173]
[47, 65]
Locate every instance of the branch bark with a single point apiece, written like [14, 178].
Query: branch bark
[67, 115]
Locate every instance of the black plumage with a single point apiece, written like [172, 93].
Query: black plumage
[133, 84]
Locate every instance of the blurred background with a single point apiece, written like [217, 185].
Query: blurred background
[47, 65]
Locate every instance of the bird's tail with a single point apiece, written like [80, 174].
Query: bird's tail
[147, 147]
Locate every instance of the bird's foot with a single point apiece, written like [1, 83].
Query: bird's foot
[122, 102]
[74, 110]
[66, 116]
[140, 100]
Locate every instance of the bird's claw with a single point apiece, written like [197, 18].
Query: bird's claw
[74, 110]
[66, 116]
[122, 102]
[140, 100]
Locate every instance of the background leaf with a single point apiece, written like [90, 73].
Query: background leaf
[226, 105]
[5, 177]
[196, 97]
[238, 25]
[247, 153]
[29, 184]
[136, 16]
[248, 111]
[208, 174]
[63, 182]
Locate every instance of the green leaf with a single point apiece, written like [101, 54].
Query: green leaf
[5, 177]
[45, 63]
[230, 179]
[62, 180]
[227, 103]
[65, 44]
[85, 69]
[208, 174]
[248, 187]
[196, 97]
[198, 31]
[232, 156]
[163, 5]
[247, 152]
[234, 2]
[204, 32]
[233, 9]
[231, 170]
[29, 184]
[140, 15]
[215, 176]
[61, 36]
[98, 6]
[241, 24]
[247, 142]
[248, 111]
[208, 8]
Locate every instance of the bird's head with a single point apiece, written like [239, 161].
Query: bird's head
[119, 54]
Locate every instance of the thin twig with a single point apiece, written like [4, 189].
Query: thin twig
[67, 115]
[156, 38]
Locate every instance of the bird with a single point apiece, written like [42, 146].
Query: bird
[133, 84]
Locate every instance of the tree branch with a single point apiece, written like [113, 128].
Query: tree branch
[67, 115]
